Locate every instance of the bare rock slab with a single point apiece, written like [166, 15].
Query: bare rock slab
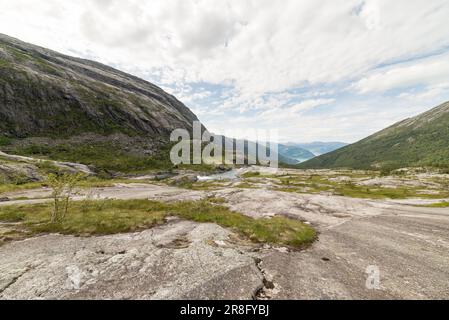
[181, 260]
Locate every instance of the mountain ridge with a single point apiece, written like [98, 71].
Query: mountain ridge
[318, 147]
[103, 98]
[418, 141]
[57, 107]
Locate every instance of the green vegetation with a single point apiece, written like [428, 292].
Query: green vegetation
[345, 184]
[20, 56]
[87, 217]
[118, 216]
[4, 63]
[11, 187]
[421, 141]
[108, 158]
[319, 184]
[277, 230]
[4, 141]
[62, 187]
[251, 175]
[86, 183]
[203, 185]
[105, 157]
[444, 204]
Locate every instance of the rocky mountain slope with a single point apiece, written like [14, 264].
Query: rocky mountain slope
[55, 106]
[46, 93]
[418, 141]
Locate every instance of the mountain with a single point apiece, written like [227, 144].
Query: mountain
[418, 141]
[44, 93]
[319, 148]
[251, 149]
[58, 106]
[296, 153]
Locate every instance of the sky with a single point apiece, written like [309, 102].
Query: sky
[314, 70]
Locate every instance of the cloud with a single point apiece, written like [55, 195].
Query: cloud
[258, 57]
[310, 104]
[429, 72]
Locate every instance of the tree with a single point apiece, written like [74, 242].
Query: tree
[63, 187]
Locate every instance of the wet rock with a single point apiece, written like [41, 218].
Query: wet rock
[184, 179]
[164, 176]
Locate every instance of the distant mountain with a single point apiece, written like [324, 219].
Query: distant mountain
[319, 148]
[297, 154]
[251, 145]
[418, 141]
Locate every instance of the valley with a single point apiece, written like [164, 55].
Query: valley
[92, 206]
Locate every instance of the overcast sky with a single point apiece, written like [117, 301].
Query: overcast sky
[330, 70]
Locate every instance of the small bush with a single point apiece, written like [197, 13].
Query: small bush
[5, 141]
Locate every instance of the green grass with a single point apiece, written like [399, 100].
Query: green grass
[198, 186]
[444, 204]
[323, 184]
[118, 216]
[104, 157]
[4, 63]
[88, 217]
[11, 187]
[4, 141]
[108, 158]
[246, 185]
[86, 183]
[248, 175]
[364, 192]
[277, 230]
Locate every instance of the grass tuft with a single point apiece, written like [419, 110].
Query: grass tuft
[118, 216]
[444, 204]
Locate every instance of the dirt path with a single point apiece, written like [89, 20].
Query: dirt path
[409, 246]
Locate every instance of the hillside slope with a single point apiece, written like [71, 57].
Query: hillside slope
[295, 152]
[418, 141]
[69, 109]
[44, 93]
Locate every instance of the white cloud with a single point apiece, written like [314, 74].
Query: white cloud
[310, 104]
[260, 45]
[260, 50]
[429, 72]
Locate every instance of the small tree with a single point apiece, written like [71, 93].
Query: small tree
[63, 187]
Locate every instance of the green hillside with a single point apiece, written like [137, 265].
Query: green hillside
[418, 141]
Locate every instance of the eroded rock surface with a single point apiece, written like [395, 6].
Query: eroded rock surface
[408, 246]
[322, 211]
[181, 260]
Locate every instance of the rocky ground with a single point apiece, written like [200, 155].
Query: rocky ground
[367, 249]
[19, 169]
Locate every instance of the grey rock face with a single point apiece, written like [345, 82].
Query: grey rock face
[18, 169]
[44, 93]
[181, 260]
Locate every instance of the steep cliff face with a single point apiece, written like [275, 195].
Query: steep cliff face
[47, 94]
